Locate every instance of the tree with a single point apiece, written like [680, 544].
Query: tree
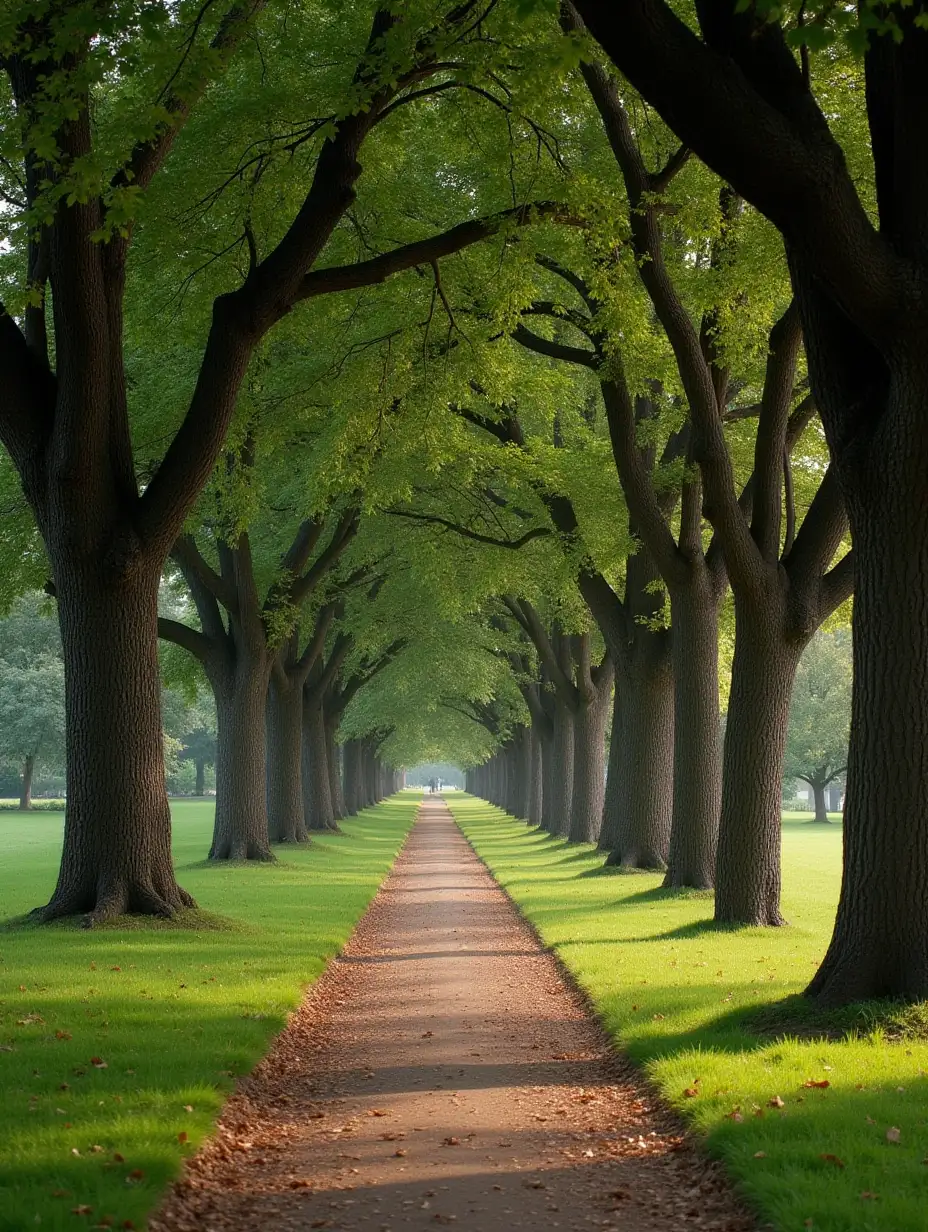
[98, 99]
[736, 94]
[31, 690]
[820, 716]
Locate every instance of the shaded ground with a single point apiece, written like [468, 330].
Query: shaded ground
[441, 1072]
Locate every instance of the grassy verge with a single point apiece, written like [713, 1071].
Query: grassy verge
[822, 1122]
[118, 1046]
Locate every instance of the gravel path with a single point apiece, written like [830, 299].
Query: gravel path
[441, 1072]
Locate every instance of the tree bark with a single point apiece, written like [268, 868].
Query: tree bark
[240, 831]
[317, 794]
[645, 757]
[562, 770]
[697, 768]
[285, 817]
[333, 760]
[747, 888]
[116, 856]
[880, 942]
[612, 800]
[353, 777]
[589, 786]
[818, 795]
[535, 784]
[25, 790]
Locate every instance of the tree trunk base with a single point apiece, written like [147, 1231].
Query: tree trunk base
[240, 849]
[688, 879]
[646, 861]
[757, 918]
[99, 904]
[334, 828]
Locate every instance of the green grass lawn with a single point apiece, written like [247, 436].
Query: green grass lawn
[119, 1045]
[714, 1019]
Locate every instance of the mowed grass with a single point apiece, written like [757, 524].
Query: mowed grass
[118, 1046]
[715, 1019]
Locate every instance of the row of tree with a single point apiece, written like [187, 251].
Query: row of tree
[461, 389]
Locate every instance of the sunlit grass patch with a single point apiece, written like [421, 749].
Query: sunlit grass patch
[803, 1106]
[118, 1045]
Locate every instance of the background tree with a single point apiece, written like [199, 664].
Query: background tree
[820, 715]
[31, 691]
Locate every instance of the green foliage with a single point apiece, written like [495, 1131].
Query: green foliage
[31, 683]
[176, 1013]
[820, 712]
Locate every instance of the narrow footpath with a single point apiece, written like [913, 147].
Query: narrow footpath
[441, 1072]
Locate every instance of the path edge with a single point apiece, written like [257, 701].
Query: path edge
[617, 1054]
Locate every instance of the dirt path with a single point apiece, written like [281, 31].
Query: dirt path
[441, 1072]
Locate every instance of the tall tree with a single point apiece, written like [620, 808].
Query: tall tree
[99, 98]
[737, 94]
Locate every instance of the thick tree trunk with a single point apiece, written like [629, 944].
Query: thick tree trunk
[333, 761]
[317, 794]
[818, 794]
[353, 775]
[697, 764]
[612, 803]
[589, 788]
[562, 770]
[535, 783]
[116, 856]
[200, 786]
[880, 942]
[645, 765]
[548, 770]
[747, 886]
[240, 831]
[286, 822]
[25, 787]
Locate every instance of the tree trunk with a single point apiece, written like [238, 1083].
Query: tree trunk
[240, 831]
[116, 856]
[645, 755]
[535, 784]
[25, 790]
[353, 771]
[821, 810]
[612, 803]
[317, 794]
[589, 788]
[286, 822]
[333, 761]
[562, 769]
[880, 942]
[697, 768]
[200, 786]
[747, 887]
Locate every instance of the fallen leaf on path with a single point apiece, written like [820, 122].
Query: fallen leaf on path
[893, 1134]
[869, 1196]
[63, 1035]
[776, 1102]
[760, 1154]
[377, 1112]
[832, 1159]
[182, 1136]
[98, 1063]
[81, 1210]
[820, 1084]
[451, 1142]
